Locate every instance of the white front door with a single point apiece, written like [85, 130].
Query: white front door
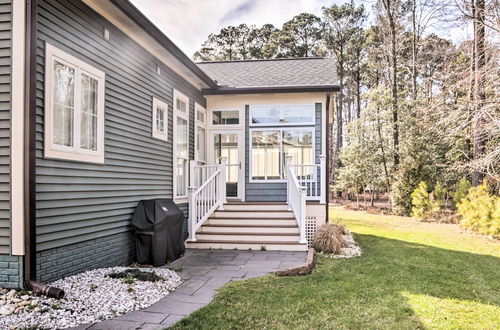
[230, 144]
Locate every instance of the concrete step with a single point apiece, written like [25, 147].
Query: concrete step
[253, 214]
[229, 222]
[255, 207]
[247, 237]
[260, 245]
[288, 229]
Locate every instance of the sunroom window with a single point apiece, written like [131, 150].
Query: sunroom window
[270, 148]
[160, 119]
[200, 134]
[273, 115]
[226, 117]
[74, 108]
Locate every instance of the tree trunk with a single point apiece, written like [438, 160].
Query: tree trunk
[358, 89]
[414, 51]
[470, 108]
[394, 82]
[340, 108]
[479, 94]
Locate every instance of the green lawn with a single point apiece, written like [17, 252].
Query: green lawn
[412, 275]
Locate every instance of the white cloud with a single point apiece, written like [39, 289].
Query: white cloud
[188, 22]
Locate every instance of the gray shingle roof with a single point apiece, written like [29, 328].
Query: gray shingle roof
[303, 72]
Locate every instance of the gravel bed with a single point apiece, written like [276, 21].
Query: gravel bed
[89, 297]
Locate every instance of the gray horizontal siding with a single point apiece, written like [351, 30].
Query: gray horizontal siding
[275, 191]
[79, 202]
[5, 115]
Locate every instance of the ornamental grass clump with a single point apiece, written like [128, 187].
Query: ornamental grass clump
[328, 238]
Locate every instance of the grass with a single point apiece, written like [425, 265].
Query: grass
[412, 275]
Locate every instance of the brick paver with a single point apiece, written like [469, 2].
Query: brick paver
[203, 272]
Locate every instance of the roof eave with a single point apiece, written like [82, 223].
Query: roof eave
[268, 90]
[131, 11]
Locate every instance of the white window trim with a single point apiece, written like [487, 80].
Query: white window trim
[177, 113]
[241, 116]
[198, 124]
[157, 103]
[313, 122]
[72, 153]
[280, 129]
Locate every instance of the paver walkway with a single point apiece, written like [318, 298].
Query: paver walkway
[203, 272]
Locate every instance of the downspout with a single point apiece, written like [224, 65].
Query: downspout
[30, 158]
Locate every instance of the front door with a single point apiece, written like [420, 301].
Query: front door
[230, 144]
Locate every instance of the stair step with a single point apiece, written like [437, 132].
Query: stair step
[248, 237]
[253, 214]
[248, 229]
[255, 207]
[251, 222]
[260, 245]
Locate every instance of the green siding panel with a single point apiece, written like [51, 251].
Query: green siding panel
[77, 202]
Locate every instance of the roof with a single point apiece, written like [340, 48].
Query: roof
[291, 74]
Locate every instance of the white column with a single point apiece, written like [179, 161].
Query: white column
[192, 214]
[323, 180]
[288, 179]
[303, 205]
[223, 169]
[193, 175]
[17, 125]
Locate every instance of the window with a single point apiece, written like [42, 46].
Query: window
[74, 108]
[270, 147]
[273, 115]
[226, 117]
[160, 120]
[181, 144]
[200, 134]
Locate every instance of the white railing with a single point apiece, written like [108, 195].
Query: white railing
[312, 177]
[199, 172]
[208, 197]
[296, 198]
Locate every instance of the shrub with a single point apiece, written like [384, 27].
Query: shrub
[328, 238]
[480, 211]
[438, 197]
[421, 201]
[461, 189]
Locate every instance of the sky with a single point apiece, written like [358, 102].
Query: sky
[189, 22]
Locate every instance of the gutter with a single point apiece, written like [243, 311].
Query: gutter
[29, 169]
[271, 89]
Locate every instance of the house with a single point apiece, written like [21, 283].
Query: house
[99, 109]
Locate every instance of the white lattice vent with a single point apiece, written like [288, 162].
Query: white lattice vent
[311, 226]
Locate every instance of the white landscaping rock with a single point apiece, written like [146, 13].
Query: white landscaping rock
[351, 250]
[89, 297]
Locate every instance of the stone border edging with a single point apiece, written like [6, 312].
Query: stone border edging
[304, 269]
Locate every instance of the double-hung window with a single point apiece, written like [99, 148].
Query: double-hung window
[74, 108]
[200, 153]
[181, 144]
[273, 140]
[160, 120]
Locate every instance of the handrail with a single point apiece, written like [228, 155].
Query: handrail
[296, 198]
[208, 197]
[313, 178]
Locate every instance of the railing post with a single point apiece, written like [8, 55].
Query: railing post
[193, 180]
[192, 214]
[303, 205]
[223, 169]
[288, 173]
[323, 181]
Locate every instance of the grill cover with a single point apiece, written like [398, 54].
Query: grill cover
[158, 228]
